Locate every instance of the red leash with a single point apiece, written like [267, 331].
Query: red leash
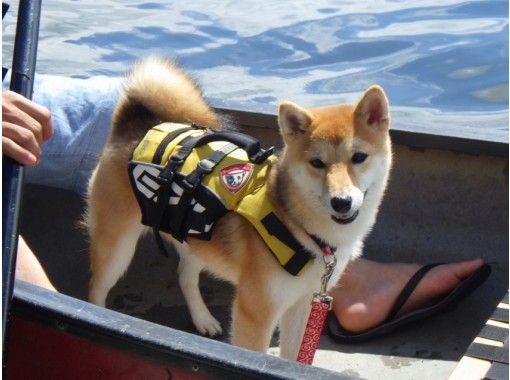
[313, 331]
[321, 304]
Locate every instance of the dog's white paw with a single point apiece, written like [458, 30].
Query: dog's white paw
[207, 325]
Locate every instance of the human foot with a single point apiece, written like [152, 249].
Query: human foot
[367, 290]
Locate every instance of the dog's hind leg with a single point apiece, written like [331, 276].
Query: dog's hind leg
[189, 270]
[111, 253]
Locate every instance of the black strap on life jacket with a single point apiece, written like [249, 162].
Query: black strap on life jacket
[252, 147]
[160, 150]
[274, 226]
[206, 166]
[190, 184]
[165, 180]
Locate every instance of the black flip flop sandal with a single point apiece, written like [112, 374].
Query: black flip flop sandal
[339, 334]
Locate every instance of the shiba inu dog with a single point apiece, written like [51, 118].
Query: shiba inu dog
[327, 184]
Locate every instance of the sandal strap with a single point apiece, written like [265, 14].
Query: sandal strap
[409, 288]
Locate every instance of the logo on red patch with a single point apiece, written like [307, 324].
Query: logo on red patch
[234, 177]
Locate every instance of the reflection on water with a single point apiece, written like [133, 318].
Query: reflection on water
[444, 64]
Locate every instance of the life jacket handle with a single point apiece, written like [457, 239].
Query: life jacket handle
[251, 145]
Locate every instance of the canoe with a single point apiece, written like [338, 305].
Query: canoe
[447, 201]
[442, 205]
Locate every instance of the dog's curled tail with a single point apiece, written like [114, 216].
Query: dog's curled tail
[158, 90]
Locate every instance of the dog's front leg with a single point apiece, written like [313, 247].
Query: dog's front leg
[254, 318]
[292, 327]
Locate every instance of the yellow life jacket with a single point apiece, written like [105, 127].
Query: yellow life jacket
[187, 177]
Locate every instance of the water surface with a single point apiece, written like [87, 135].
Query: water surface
[443, 64]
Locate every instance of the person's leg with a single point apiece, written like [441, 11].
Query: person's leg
[28, 267]
[367, 290]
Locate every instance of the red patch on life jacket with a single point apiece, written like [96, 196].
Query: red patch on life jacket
[234, 177]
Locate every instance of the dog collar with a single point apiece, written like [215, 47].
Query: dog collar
[326, 249]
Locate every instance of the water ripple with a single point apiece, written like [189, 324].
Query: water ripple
[448, 57]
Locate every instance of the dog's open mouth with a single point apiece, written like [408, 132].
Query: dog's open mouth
[345, 220]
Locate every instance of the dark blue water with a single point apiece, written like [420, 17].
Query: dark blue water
[444, 65]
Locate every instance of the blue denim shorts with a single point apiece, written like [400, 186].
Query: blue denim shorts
[81, 114]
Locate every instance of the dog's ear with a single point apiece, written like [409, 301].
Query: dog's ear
[373, 109]
[293, 119]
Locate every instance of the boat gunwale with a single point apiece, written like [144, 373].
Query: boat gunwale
[152, 341]
[420, 140]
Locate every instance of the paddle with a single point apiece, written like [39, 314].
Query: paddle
[23, 70]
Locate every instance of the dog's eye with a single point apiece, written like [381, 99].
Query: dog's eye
[358, 157]
[318, 164]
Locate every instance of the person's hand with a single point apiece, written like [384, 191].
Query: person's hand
[25, 127]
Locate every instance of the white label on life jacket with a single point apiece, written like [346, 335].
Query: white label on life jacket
[145, 175]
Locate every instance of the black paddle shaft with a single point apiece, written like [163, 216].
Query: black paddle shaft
[22, 78]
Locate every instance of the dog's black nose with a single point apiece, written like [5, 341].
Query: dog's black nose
[341, 204]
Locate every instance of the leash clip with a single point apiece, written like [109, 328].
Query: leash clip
[330, 262]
